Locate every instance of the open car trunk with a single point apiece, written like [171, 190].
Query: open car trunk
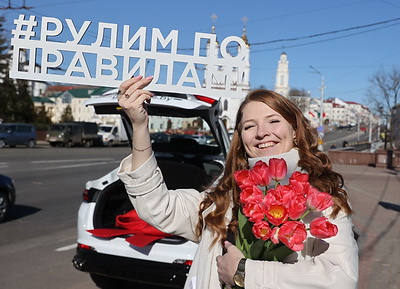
[184, 162]
[181, 168]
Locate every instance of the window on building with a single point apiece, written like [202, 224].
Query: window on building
[66, 98]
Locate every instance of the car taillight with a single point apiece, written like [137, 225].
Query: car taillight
[183, 262]
[88, 195]
[85, 247]
[206, 99]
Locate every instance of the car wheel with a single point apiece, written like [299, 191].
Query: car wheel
[88, 143]
[104, 282]
[31, 144]
[4, 206]
[2, 143]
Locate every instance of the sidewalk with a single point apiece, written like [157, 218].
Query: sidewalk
[375, 198]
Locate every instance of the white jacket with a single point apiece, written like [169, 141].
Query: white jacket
[329, 264]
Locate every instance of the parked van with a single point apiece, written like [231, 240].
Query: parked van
[114, 134]
[13, 134]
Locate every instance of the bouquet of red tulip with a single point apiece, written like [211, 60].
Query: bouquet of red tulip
[270, 217]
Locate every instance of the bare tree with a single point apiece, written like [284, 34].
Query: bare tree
[384, 94]
[300, 98]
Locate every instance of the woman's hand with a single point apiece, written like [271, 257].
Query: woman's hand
[132, 98]
[227, 264]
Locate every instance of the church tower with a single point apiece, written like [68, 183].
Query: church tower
[246, 74]
[230, 105]
[282, 76]
[243, 78]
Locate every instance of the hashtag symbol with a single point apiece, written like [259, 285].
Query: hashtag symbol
[24, 28]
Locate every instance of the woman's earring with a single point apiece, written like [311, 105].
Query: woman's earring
[295, 141]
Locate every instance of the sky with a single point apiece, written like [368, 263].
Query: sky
[346, 41]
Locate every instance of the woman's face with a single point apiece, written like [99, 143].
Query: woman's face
[264, 131]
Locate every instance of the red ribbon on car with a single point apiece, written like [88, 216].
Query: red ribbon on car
[130, 223]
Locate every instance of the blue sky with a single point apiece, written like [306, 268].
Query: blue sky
[350, 49]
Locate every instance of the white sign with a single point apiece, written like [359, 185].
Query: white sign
[62, 53]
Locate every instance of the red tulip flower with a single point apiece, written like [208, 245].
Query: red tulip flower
[278, 169]
[296, 206]
[322, 228]
[261, 174]
[254, 211]
[251, 194]
[317, 200]
[244, 178]
[293, 234]
[277, 214]
[261, 230]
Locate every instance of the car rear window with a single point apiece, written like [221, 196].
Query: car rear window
[193, 130]
[186, 157]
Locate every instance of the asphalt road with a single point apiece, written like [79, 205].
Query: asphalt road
[338, 137]
[37, 240]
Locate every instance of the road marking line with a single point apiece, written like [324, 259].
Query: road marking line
[66, 248]
[70, 161]
[71, 166]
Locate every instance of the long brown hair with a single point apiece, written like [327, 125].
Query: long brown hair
[313, 161]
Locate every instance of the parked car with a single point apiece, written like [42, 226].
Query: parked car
[7, 195]
[14, 134]
[113, 262]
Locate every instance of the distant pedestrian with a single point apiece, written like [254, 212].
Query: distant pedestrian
[320, 143]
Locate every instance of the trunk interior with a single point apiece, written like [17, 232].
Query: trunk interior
[180, 170]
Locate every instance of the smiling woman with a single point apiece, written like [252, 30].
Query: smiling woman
[265, 132]
[267, 126]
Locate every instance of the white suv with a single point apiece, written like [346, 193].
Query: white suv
[115, 263]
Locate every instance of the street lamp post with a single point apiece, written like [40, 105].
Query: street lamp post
[322, 95]
[386, 130]
[384, 114]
